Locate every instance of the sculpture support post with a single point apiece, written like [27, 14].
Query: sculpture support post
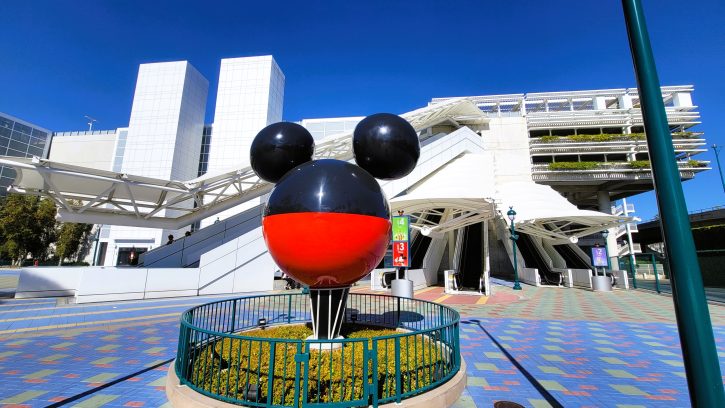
[699, 353]
[328, 311]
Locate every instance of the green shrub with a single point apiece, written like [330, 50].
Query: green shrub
[585, 165]
[640, 164]
[549, 139]
[606, 137]
[696, 163]
[226, 367]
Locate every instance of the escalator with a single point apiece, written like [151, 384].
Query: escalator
[471, 262]
[534, 260]
[421, 243]
[572, 259]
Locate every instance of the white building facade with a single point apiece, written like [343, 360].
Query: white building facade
[595, 133]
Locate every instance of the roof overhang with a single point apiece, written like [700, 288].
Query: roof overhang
[459, 199]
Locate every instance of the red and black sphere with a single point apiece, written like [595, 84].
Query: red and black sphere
[327, 222]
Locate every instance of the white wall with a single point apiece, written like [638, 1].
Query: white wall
[509, 138]
[94, 150]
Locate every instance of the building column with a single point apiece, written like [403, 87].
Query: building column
[486, 259]
[605, 206]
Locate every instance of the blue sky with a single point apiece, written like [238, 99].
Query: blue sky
[61, 60]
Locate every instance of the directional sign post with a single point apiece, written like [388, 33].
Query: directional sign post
[401, 241]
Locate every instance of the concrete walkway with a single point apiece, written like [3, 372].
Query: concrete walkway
[539, 347]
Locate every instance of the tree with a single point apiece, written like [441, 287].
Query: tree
[70, 237]
[27, 225]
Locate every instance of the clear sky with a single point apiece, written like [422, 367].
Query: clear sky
[61, 60]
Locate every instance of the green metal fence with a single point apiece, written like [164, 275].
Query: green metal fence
[217, 360]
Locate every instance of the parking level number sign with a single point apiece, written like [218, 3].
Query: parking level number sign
[400, 254]
[599, 257]
[401, 240]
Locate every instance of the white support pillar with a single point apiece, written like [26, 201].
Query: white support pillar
[629, 236]
[605, 205]
[486, 260]
[625, 101]
[451, 248]
[600, 103]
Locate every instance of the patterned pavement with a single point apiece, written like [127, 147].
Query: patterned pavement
[539, 347]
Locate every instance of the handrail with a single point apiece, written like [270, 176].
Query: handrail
[216, 359]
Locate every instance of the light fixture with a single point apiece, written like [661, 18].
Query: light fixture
[353, 316]
[262, 322]
[605, 234]
[511, 214]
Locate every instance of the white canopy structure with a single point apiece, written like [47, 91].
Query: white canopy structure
[543, 212]
[105, 197]
[463, 187]
[466, 191]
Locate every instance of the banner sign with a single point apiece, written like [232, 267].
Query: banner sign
[400, 254]
[599, 257]
[401, 240]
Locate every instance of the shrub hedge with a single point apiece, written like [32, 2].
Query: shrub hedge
[640, 164]
[226, 367]
[608, 137]
[585, 165]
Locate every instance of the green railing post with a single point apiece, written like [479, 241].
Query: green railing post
[699, 353]
[298, 363]
[270, 375]
[373, 388]
[289, 309]
[654, 269]
[398, 379]
[234, 315]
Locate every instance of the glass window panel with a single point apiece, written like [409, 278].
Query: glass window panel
[22, 128]
[4, 141]
[20, 137]
[34, 141]
[21, 147]
[8, 172]
[6, 123]
[35, 151]
[5, 131]
[15, 153]
[40, 134]
[3, 151]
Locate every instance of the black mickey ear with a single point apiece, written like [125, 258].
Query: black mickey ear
[386, 145]
[279, 148]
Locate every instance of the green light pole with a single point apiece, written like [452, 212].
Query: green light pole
[693, 318]
[512, 216]
[716, 149]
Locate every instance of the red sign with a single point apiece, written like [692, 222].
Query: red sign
[400, 254]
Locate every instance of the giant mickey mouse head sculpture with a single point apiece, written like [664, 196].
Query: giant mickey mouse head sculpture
[327, 222]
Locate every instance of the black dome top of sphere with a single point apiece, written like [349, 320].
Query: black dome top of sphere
[386, 145]
[278, 148]
[328, 185]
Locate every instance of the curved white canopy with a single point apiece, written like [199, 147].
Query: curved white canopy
[465, 192]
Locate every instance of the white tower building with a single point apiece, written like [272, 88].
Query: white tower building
[164, 139]
[250, 97]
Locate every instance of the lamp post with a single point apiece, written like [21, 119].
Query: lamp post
[716, 149]
[512, 216]
[699, 352]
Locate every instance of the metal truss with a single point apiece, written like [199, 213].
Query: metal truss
[104, 197]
